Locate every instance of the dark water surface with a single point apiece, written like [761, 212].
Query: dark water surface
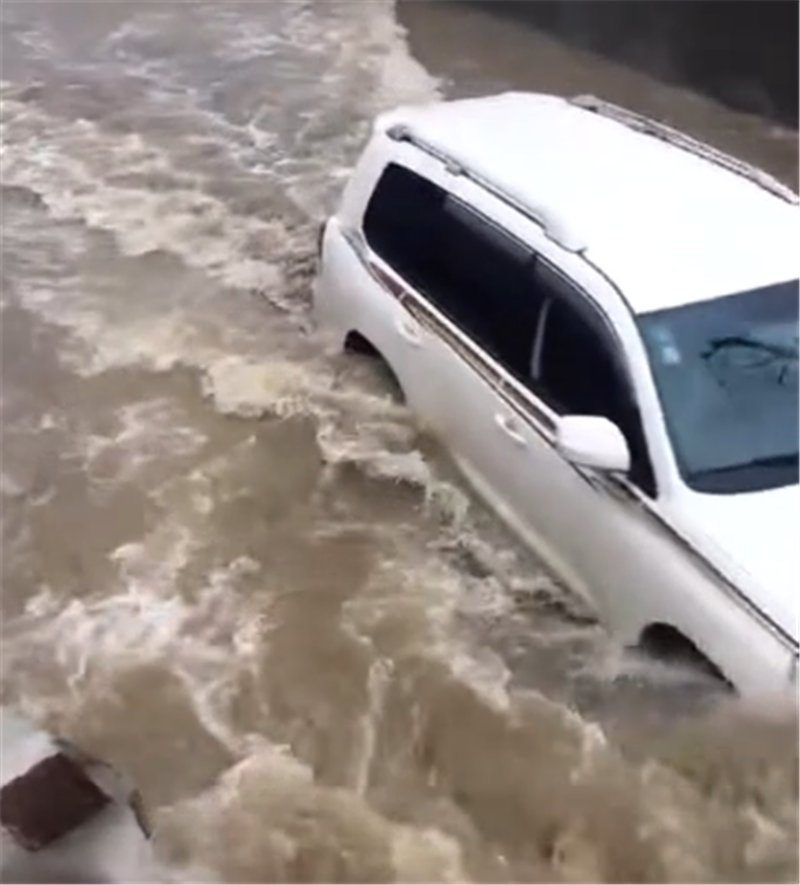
[231, 563]
[741, 52]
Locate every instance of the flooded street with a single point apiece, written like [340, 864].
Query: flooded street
[232, 565]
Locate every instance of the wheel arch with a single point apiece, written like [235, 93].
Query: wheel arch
[358, 344]
[666, 642]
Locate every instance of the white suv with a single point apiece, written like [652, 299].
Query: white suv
[598, 315]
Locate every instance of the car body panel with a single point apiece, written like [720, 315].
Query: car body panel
[726, 521]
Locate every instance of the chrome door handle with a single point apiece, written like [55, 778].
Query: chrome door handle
[510, 430]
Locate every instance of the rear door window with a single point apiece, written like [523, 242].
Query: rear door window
[469, 268]
[400, 221]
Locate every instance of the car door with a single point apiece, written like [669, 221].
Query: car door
[468, 288]
[608, 527]
[488, 428]
[494, 314]
[504, 431]
[478, 310]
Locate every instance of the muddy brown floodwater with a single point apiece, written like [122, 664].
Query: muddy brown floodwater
[231, 563]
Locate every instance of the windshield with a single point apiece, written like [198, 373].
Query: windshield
[726, 372]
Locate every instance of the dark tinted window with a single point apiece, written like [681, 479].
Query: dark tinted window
[580, 373]
[401, 223]
[577, 368]
[471, 270]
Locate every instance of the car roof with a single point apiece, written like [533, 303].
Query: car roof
[667, 225]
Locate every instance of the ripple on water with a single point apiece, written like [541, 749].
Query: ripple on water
[234, 565]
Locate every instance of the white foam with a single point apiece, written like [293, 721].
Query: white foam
[10, 486]
[363, 755]
[353, 426]
[144, 433]
[71, 165]
[267, 812]
[87, 173]
[252, 389]
[421, 856]
[39, 41]
[206, 637]
[416, 602]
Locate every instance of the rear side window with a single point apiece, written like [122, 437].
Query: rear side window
[400, 220]
[473, 271]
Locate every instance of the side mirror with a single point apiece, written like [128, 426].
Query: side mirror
[593, 441]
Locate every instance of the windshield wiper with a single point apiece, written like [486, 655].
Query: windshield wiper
[782, 357]
[787, 460]
[776, 350]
